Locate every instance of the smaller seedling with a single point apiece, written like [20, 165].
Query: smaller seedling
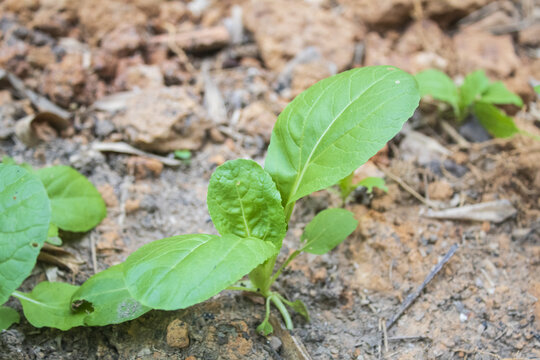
[184, 155]
[347, 186]
[537, 89]
[478, 96]
[34, 205]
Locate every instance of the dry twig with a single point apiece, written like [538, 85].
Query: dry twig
[410, 299]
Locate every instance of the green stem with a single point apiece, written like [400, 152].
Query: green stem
[283, 310]
[260, 276]
[242, 288]
[287, 262]
[267, 315]
[287, 302]
[288, 211]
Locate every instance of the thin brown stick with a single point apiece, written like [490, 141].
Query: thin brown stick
[407, 188]
[414, 295]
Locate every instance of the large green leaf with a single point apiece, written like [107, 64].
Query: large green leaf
[439, 86]
[494, 120]
[109, 298]
[474, 85]
[336, 125]
[8, 317]
[25, 213]
[244, 201]
[327, 230]
[497, 93]
[76, 204]
[49, 304]
[181, 271]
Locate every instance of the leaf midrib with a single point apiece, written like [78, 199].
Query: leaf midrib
[306, 164]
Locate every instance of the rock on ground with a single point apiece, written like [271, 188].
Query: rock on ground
[422, 46]
[162, 120]
[382, 13]
[275, 32]
[482, 50]
[448, 11]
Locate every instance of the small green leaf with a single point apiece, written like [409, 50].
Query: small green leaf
[243, 200]
[497, 93]
[49, 304]
[181, 271]
[370, 182]
[298, 306]
[265, 328]
[494, 120]
[52, 236]
[109, 298]
[537, 89]
[327, 230]
[182, 154]
[8, 317]
[25, 213]
[335, 126]
[473, 87]
[439, 86]
[76, 204]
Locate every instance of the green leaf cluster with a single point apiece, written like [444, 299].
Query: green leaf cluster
[34, 205]
[347, 186]
[322, 136]
[477, 95]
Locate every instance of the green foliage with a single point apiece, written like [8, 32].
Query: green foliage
[476, 95]
[111, 302]
[499, 124]
[335, 126]
[373, 182]
[76, 204]
[25, 213]
[243, 200]
[53, 237]
[8, 317]
[537, 89]
[497, 93]
[438, 85]
[49, 304]
[183, 154]
[327, 230]
[347, 186]
[321, 136]
[181, 271]
[32, 206]
[474, 85]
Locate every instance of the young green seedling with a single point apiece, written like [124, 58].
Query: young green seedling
[33, 206]
[477, 95]
[347, 186]
[321, 137]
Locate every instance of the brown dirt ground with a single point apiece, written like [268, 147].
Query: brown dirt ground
[484, 304]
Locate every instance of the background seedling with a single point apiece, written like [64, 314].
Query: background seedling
[33, 206]
[347, 186]
[477, 95]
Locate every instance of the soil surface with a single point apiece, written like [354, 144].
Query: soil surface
[211, 77]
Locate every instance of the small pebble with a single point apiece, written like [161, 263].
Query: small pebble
[275, 343]
[177, 334]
